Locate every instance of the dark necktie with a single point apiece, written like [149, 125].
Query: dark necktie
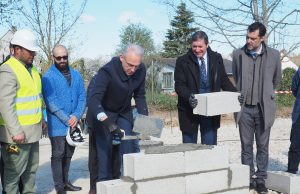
[203, 75]
[253, 54]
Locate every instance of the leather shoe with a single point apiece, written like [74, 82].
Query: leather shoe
[261, 188]
[70, 187]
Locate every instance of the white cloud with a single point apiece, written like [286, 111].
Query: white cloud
[128, 17]
[84, 18]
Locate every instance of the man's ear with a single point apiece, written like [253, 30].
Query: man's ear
[122, 57]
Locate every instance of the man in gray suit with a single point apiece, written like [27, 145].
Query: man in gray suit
[257, 72]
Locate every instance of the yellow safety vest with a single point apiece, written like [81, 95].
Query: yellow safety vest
[28, 103]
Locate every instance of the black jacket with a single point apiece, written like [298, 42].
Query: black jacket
[187, 82]
[113, 90]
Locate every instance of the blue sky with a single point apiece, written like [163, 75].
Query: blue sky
[101, 24]
[99, 28]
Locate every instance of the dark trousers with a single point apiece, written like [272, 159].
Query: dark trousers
[2, 174]
[61, 157]
[251, 125]
[208, 132]
[294, 151]
[110, 156]
[93, 164]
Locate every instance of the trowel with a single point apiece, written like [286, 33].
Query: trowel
[144, 127]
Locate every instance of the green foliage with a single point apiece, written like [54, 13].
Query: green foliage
[79, 66]
[138, 34]
[284, 100]
[161, 101]
[178, 37]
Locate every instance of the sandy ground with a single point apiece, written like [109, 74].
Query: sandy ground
[227, 135]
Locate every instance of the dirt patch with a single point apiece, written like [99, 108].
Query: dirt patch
[171, 117]
[284, 112]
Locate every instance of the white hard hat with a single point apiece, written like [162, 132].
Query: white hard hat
[26, 39]
[74, 136]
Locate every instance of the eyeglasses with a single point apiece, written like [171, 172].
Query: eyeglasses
[61, 57]
[131, 66]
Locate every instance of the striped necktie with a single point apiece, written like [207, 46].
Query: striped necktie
[203, 74]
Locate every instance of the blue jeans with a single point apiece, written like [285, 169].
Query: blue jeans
[208, 132]
[61, 157]
[110, 156]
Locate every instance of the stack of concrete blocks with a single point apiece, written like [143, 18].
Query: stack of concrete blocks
[283, 182]
[181, 169]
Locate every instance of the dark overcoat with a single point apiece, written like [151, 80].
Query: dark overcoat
[112, 91]
[187, 82]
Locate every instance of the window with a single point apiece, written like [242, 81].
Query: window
[167, 80]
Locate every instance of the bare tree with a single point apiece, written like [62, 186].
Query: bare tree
[52, 20]
[227, 21]
[6, 10]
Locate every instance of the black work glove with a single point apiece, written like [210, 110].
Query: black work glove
[110, 125]
[117, 133]
[117, 136]
[241, 99]
[193, 101]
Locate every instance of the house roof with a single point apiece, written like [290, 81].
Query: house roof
[286, 62]
[167, 61]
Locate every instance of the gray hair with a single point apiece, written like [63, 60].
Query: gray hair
[132, 48]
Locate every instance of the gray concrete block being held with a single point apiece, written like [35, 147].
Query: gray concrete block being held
[217, 103]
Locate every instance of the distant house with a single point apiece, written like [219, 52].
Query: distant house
[286, 62]
[4, 43]
[166, 74]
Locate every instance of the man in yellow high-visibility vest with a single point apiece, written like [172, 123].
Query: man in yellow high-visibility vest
[20, 114]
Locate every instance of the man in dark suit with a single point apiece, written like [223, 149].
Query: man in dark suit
[200, 70]
[110, 105]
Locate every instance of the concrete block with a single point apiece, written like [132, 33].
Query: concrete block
[116, 186]
[206, 159]
[140, 166]
[217, 103]
[235, 191]
[283, 182]
[208, 182]
[173, 185]
[239, 175]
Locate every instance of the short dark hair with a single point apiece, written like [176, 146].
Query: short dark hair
[200, 35]
[257, 26]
